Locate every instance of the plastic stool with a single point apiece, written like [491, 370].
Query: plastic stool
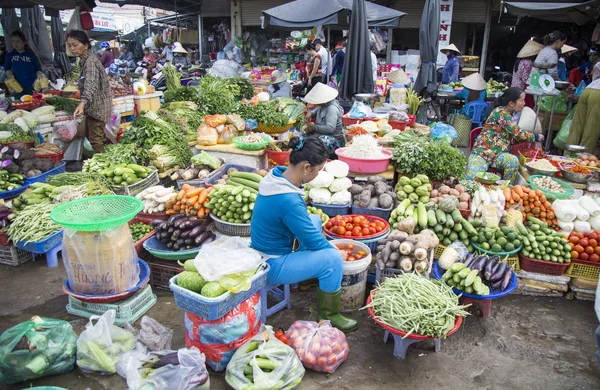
[486, 305]
[283, 294]
[51, 256]
[401, 345]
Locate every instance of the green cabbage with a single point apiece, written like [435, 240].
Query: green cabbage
[191, 281]
[212, 290]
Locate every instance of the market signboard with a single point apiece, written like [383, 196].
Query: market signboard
[446, 9]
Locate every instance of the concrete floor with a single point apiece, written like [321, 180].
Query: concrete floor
[527, 343]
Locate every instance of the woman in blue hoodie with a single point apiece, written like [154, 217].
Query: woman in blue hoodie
[282, 231]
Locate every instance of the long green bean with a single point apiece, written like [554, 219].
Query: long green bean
[33, 224]
[414, 304]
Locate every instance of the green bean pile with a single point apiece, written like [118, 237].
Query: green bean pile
[33, 224]
[414, 304]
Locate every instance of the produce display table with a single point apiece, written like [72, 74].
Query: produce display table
[525, 175]
[229, 152]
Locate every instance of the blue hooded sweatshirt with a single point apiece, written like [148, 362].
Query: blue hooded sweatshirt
[280, 216]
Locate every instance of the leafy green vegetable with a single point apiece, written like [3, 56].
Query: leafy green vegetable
[264, 112]
[191, 281]
[204, 158]
[212, 290]
[172, 77]
[62, 103]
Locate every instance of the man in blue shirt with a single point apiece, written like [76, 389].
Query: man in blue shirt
[22, 63]
[450, 71]
[338, 62]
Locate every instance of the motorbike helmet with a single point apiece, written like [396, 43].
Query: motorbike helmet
[104, 45]
[113, 68]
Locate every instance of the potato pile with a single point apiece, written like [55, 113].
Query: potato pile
[372, 194]
[587, 160]
[442, 191]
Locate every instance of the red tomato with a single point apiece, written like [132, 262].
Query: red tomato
[594, 257]
[340, 246]
[349, 226]
[341, 230]
[350, 258]
[356, 220]
[593, 242]
[584, 256]
[372, 224]
[584, 242]
[366, 231]
[356, 231]
[350, 246]
[334, 230]
[364, 225]
[372, 230]
[378, 229]
[329, 224]
[589, 250]
[348, 233]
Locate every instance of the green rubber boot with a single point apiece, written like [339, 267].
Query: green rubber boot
[328, 308]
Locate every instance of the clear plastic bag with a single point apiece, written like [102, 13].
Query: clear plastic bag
[219, 339]
[65, 130]
[227, 135]
[36, 348]
[206, 135]
[264, 350]
[189, 374]
[460, 248]
[359, 110]
[100, 263]
[490, 215]
[222, 257]
[319, 346]
[154, 335]
[102, 344]
[444, 132]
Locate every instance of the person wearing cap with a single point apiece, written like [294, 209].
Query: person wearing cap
[452, 67]
[492, 146]
[474, 89]
[325, 59]
[290, 239]
[107, 58]
[180, 56]
[126, 56]
[565, 51]
[547, 58]
[584, 127]
[279, 86]
[327, 116]
[522, 68]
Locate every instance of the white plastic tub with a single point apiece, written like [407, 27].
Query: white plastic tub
[354, 281]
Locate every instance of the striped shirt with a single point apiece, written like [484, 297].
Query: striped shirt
[94, 88]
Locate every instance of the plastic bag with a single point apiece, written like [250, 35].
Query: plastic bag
[264, 350]
[101, 262]
[359, 110]
[222, 257]
[36, 348]
[206, 135]
[580, 88]
[40, 83]
[219, 339]
[490, 215]
[102, 344]
[189, 374]
[460, 248]
[12, 84]
[250, 124]
[152, 334]
[215, 120]
[65, 130]
[560, 141]
[227, 135]
[444, 132]
[319, 346]
[559, 106]
[237, 121]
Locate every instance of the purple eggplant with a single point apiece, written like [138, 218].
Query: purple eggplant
[497, 285]
[480, 263]
[198, 241]
[467, 259]
[157, 222]
[489, 268]
[471, 260]
[185, 234]
[177, 224]
[195, 232]
[499, 273]
[173, 218]
[506, 279]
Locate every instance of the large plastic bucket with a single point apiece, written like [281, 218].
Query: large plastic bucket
[277, 158]
[354, 281]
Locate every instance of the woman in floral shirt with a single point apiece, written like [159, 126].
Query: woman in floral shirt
[492, 147]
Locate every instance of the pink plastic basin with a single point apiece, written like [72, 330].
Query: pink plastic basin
[359, 165]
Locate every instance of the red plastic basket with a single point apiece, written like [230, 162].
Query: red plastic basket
[411, 120]
[465, 213]
[543, 266]
[151, 217]
[398, 125]
[55, 157]
[277, 158]
[370, 218]
[139, 248]
[347, 121]
[400, 333]
[4, 239]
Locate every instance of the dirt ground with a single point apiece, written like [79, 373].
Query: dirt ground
[527, 343]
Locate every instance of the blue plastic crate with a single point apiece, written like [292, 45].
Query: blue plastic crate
[44, 246]
[214, 308]
[44, 176]
[377, 212]
[218, 173]
[14, 193]
[331, 210]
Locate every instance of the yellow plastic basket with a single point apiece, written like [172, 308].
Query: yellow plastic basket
[273, 129]
[583, 271]
[512, 261]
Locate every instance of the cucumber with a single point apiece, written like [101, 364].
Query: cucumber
[431, 219]
[421, 215]
[449, 221]
[476, 223]
[456, 215]
[441, 216]
[468, 227]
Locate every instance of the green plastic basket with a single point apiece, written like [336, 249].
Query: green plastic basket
[569, 191]
[152, 245]
[97, 212]
[487, 252]
[245, 146]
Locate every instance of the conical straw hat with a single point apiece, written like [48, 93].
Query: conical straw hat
[320, 94]
[474, 82]
[531, 48]
[451, 47]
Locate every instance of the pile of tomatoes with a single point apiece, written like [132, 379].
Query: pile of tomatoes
[355, 226]
[584, 246]
[351, 253]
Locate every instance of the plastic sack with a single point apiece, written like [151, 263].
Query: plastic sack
[225, 68]
[36, 348]
[12, 84]
[250, 124]
[189, 374]
[559, 106]
[560, 141]
[215, 120]
[222, 257]
[102, 262]
[444, 132]
[460, 248]
[154, 335]
[102, 344]
[319, 346]
[227, 135]
[206, 135]
[580, 88]
[359, 110]
[248, 367]
[41, 82]
[237, 121]
[65, 130]
[219, 339]
[490, 215]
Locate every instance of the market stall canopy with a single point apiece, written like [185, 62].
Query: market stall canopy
[357, 75]
[301, 13]
[579, 13]
[428, 43]
[55, 4]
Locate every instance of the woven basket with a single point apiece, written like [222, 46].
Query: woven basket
[274, 129]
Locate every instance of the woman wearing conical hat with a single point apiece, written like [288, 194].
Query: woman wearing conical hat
[522, 69]
[450, 71]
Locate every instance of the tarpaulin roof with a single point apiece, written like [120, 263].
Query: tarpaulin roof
[580, 12]
[55, 4]
[309, 13]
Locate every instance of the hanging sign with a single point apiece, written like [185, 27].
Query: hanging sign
[446, 9]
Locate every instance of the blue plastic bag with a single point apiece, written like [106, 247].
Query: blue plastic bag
[580, 88]
[444, 132]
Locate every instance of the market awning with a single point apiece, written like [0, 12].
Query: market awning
[303, 13]
[53, 4]
[579, 13]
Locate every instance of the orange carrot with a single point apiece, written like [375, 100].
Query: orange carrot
[201, 212]
[170, 212]
[191, 201]
[519, 190]
[210, 189]
[194, 192]
[181, 194]
[507, 194]
[202, 196]
[186, 187]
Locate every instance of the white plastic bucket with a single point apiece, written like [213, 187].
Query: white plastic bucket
[354, 281]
